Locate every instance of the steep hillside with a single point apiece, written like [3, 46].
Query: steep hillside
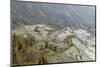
[55, 15]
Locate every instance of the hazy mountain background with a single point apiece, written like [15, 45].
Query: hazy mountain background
[55, 15]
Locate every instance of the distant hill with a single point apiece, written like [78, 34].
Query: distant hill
[55, 15]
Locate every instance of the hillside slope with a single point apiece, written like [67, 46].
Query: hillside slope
[40, 44]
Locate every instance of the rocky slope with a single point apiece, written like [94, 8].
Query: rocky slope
[41, 44]
[56, 15]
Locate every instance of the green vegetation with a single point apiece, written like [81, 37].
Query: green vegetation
[24, 52]
[22, 49]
